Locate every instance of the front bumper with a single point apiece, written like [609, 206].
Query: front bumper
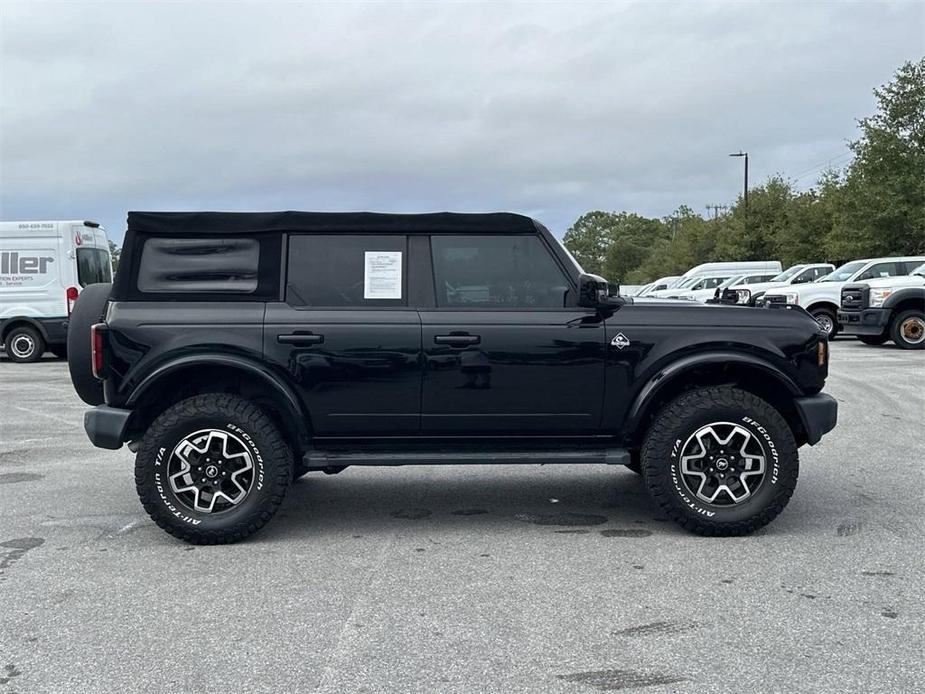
[867, 321]
[819, 414]
[106, 426]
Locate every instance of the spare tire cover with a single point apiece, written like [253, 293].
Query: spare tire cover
[87, 311]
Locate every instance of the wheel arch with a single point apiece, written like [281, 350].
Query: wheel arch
[745, 371]
[193, 375]
[10, 323]
[909, 299]
[823, 303]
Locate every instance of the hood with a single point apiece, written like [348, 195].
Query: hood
[650, 300]
[684, 312]
[760, 286]
[897, 281]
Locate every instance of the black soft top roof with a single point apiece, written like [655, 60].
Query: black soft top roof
[172, 223]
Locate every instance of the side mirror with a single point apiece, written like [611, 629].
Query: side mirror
[596, 292]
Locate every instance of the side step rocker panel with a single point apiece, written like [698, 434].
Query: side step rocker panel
[320, 458]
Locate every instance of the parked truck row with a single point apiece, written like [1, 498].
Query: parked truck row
[874, 299]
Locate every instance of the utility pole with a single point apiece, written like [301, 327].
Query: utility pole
[740, 153]
[717, 210]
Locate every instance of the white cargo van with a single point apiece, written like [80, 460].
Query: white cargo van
[735, 267]
[43, 267]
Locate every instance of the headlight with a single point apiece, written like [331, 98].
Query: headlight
[878, 296]
[792, 298]
[744, 296]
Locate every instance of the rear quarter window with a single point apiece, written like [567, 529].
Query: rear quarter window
[199, 266]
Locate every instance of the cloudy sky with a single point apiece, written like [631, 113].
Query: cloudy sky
[548, 109]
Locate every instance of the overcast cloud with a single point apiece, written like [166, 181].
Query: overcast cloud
[550, 110]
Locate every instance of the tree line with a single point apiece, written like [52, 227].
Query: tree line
[874, 207]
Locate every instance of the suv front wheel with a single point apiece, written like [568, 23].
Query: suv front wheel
[212, 469]
[720, 461]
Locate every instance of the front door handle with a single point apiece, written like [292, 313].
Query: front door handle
[457, 340]
[300, 339]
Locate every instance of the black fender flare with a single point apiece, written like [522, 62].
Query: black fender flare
[296, 417]
[676, 369]
[903, 294]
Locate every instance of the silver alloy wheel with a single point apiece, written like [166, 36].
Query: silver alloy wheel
[826, 322]
[723, 464]
[211, 471]
[913, 330]
[22, 346]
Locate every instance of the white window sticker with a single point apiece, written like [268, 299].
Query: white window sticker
[382, 275]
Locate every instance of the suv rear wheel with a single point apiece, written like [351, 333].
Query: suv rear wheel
[212, 469]
[720, 461]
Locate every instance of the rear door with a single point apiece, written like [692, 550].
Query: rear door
[504, 352]
[346, 334]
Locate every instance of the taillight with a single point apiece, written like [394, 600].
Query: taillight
[71, 299]
[98, 349]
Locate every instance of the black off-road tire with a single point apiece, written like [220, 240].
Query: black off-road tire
[685, 415]
[901, 323]
[873, 339]
[89, 309]
[271, 455]
[24, 344]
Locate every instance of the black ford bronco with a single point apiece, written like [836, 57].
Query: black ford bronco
[235, 352]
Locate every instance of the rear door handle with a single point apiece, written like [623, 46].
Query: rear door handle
[457, 340]
[300, 339]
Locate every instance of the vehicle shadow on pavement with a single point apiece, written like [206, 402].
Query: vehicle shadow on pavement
[375, 501]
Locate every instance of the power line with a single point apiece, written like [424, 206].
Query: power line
[821, 165]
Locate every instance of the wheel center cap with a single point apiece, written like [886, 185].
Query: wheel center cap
[722, 464]
[212, 471]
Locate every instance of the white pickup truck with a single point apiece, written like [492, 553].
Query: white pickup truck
[890, 308]
[823, 297]
[747, 293]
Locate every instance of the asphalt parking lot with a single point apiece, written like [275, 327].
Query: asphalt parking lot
[467, 579]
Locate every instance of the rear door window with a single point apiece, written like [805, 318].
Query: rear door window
[347, 270]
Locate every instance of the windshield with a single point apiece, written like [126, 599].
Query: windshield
[93, 266]
[687, 283]
[844, 272]
[732, 281]
[787, 274]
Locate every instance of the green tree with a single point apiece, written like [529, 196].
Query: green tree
[116, 253]
[881, 208]
[613, 244]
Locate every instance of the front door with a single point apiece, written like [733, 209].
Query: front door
[504, 353]
[346, 334]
